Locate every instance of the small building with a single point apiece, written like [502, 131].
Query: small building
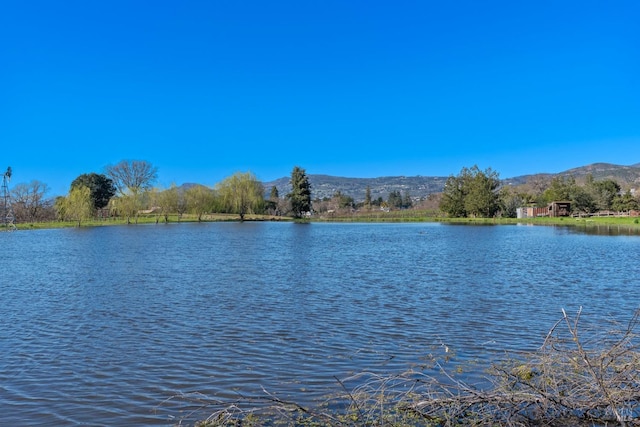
[531, 212]
[554, 209]
[557, 209]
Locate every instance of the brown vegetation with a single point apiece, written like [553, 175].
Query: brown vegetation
[578, 377]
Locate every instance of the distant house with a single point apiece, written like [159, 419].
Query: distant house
[554, 209]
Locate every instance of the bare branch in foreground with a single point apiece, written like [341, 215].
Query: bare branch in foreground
[578, 377]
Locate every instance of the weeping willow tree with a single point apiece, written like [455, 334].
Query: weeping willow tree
[77, 206]
[200, 200]
[242, 194]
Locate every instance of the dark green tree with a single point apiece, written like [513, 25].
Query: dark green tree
[625, 202]
[272, 204]
[582, 200]
[406, 200]
[395, 199]
[274, 195]
[300, 195]
[603, 192]
[565, 188]
[342, 200]
[101, 188]
[510, 201]
[453, 196]
[367, 198]
[472, 193]
[561, 188]
[482, 196]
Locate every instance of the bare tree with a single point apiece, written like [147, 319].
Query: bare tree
[29, 200]
[132, 176]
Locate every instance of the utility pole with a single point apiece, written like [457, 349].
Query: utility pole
[7, 211]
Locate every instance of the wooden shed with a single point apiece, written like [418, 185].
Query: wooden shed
[553, 209]
[557, 209]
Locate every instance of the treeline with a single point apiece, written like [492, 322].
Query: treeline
[477, 193]
[340, 203]
[126, 190]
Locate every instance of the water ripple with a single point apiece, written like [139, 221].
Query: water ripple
[104, 326]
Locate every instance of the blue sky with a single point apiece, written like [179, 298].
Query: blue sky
[203, 89]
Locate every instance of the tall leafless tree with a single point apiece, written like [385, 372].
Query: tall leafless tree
[29, 200]
[132, 176]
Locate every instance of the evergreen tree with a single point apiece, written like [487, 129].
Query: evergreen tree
[625, 202]
[300, 195]
[406, 200]
[342, 200]
[395, 199]
[101, 188]
[453, 197]
[510, 201]
[367, 198]
[482, 198]
[561, 188]
[472, 193]
[603, 192]
[274, 195]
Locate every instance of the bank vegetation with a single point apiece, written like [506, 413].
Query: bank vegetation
[126, 193]
[580, 376]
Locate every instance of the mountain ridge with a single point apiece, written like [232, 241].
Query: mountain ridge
[422, 186]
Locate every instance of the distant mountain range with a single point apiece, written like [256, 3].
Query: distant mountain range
[422, 186]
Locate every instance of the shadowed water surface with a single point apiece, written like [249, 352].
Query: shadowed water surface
[101, 325]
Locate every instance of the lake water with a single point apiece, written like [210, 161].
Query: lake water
[100, 326]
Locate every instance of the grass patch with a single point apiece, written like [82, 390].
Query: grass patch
[146, 219]
[629, 223]
[623, 223]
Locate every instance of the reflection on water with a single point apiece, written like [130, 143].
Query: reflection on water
[588, 227]
[608, 230]
[103, 325]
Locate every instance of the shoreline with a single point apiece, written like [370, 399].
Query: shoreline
[631, 224]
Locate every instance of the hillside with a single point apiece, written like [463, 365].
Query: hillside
[326, 186]
[626, 176]
[422, 186]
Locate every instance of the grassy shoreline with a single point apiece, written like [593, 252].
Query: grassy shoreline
[428, 216]
[144, 220]
[627, 223]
